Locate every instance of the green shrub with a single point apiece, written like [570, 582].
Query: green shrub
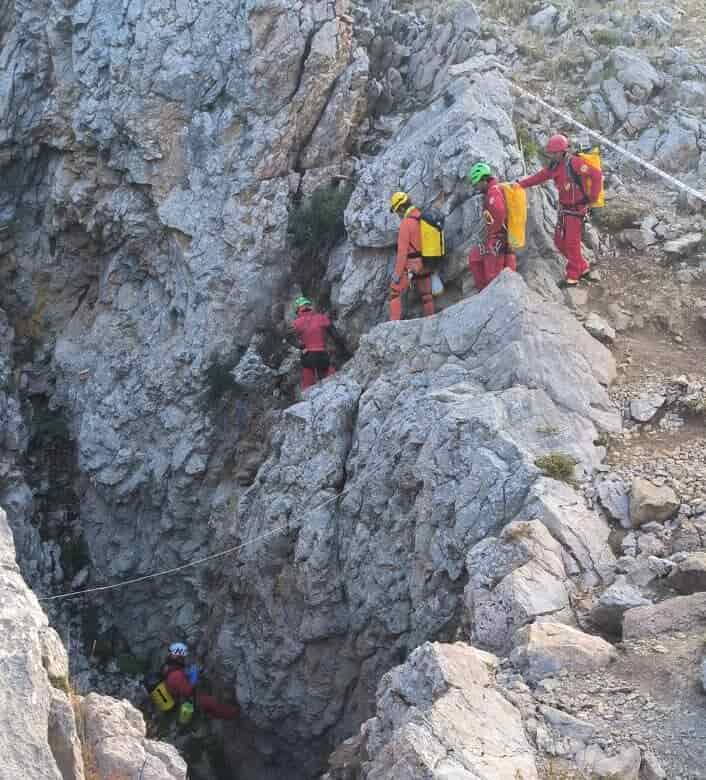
[530, 148]
[219, 380]
[316, 224]
[557, 465]
[602, 36]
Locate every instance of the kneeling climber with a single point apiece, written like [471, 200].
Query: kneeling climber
[181, 680]
[408, 262]
[578, 184]
[486, 261]
[311, 329]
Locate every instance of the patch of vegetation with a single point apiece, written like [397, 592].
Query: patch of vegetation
[547, 430]
[316, 224]
[602, 440]
[696, 405]
[530, 148]
[219, 379]
[557, 465]
[605, 37]
[129, 664]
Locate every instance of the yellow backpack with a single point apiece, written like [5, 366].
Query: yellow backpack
[431, 231]
[591, 157]
[516, 214]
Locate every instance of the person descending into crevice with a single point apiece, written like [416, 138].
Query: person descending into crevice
[311, 329]
[182, 680]
[578, 184]
[486, 261]
[408, 262]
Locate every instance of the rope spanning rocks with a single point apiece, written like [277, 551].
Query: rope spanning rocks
[40, 736]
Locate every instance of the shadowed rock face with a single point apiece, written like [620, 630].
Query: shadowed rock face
[430, 437]
[39, 733]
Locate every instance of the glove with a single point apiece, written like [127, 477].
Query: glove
[395, 279]
[192, 674]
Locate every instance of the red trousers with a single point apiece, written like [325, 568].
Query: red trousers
[485, 267]
[422, 285]
[567, 239]
[213, 708]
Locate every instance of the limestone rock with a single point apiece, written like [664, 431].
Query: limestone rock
[615, 499]
[644, 409]
[545, 649]
[439, 716]
[115, 737]
[607, 614]
[599, 328]
[683, 246]
[689, 575]
[37, 739]
[648, 502]
[651, 768]
[623, 765]
[544, 21]
[515, 579]
[431, 432]
[635, 73]
[683, 613]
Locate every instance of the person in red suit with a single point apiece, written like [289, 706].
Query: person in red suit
[182, 679]
[485, 262]
[311, 329]
[568, 171]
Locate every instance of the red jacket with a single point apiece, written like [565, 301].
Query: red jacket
[311, 329]
[495, 213]
[180, 688]
[409, 240]
[570, 193]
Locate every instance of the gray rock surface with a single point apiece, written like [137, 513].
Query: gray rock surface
[615, 499]
[689, 575]
[607, 614]
[40, 734]
[650, 502]
[644, 409]
[115, 739]
[599, 328]
[36, 738]
[683, 613]
[439, 452]
[441, 716]
[546, 649]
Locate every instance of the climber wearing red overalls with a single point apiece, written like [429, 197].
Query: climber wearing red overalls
[311, 329]
[181, 681]
[488, 260]
[409, 258]
[573, 201]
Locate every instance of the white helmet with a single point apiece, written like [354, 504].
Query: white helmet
[178, 649]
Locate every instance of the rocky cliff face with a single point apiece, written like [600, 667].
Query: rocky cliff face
[152, 157]
[47, 731]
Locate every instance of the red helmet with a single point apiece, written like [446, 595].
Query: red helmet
[557, 143]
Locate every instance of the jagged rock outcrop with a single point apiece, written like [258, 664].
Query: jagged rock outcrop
[38, 724]
[431, 435]
[440, 715]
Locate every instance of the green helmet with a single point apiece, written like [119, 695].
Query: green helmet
[301, 302]
[479, 171]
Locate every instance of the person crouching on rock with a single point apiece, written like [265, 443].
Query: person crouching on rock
[408, 261]
[486, 261]
[311, 329]
[568, 171]
[182, 680]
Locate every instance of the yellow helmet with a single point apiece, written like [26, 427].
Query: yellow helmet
[398, 200]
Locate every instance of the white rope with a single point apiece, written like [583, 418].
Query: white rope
[198, 561]
[607, 142]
